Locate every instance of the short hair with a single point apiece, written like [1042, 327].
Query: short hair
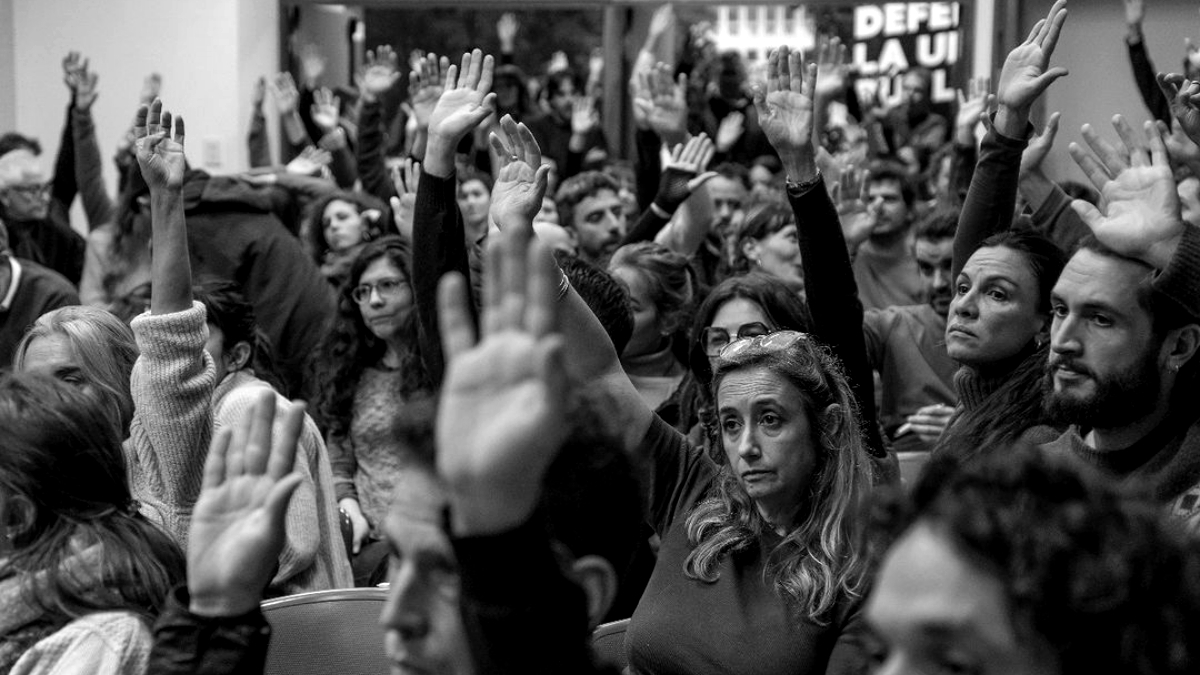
[104, 348]
[1091, 570]
[227, 309]
[734, 172]
[577, 188]
[939, 224]
[1045, 259]
[884, 170]
[471, 173]
[669, 278]
[16, 141]
[607, 299]
[63, 458]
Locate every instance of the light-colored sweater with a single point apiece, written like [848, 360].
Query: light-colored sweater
[103, 643]
[172, 384]
[314, 555]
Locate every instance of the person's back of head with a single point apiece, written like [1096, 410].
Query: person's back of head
[17, 141]
[1081, 577]
[603, 295]
[88, 347]
[68, 510]
[233, 327]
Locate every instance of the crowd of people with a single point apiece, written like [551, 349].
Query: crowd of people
[550, 387]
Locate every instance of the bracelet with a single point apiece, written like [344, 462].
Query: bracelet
[564, 285]
[801, 188]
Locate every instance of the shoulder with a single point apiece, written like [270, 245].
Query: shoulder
[44, 279]
[102, 642]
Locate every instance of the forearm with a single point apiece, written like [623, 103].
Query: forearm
[1144, 77]
[1053, 215]
[256, 141]
[992, 196]
[342, 161]
[689, 226]
[648, 166]
[64, 188]
[88, 170]
[369, 153]
[171, 266]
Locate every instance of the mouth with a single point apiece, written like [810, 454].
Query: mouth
[959, 330]
[754, 475]
[1064, 372]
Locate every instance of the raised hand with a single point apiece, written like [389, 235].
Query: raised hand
[425, 85]
[406, 178]
[832, 69]
[237, 529]
[1181, 149]
[1039, 146]
[521, 177]
[506, 31]
[326, 109]
[159, 153]
[1135, 12]
[283, 90]
[151, 88]
[1027, 72]
[970, 106]
[1140, 218]
[662, 103]
[312, 64]
[73, 64]
[379, 73]
[512, 381]
[81, 81]
[730, 130]
[584, 116]
[849, 194]
[1184, 97]
[310, 161]
[465, 101]
[785, 111]
[682, 174]
[558, 62]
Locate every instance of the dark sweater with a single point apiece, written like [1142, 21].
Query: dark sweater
[188, 644]
[39, 290]
[737, 624]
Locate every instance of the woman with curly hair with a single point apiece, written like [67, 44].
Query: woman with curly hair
[661, 288]
[338, 227]
[369, 367]
[1024, 562]
[83, 574]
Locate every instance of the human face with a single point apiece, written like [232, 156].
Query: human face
[344, 227]
[995, 311]
[28, 199]
[728, 197]
[768, 439]
[1105, 366]
[885, 203]
[933, 611]
[508, 93]
[52, 355]
[1188, 190]
[934, 263]
[563, 99]
[647, 335]
[778, 254]
[423, 631]
[736, 313]
[474, 200]
[913, 87]
[599, 224]
[385, 315]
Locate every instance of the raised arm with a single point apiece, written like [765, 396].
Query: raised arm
[682, 176]
[438, 232]
[992, 197]
[786, 110]
[1139, 61]
[88, 165]
[378, 75]
[173, 376]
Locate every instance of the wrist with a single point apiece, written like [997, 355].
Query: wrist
[478, 510]
[800, 168]
[1134, 34]
[220, 604]
[1012, 122]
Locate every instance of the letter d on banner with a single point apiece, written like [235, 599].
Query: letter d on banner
[868, 22]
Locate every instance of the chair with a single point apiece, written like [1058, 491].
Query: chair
[327, 633]
[608, 643]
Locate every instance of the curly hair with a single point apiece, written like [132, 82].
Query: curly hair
[350, 347]
[104, 349]
[1089, 569]
[668, 276]
[818, 561]
[312, 231]
[66, 489]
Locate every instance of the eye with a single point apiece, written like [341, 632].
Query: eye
[1102, 320]
[998, 294]
[387, 285]
[962, 288]
[730, 425]
[925, 269]
[1059, 311]
[770, 420]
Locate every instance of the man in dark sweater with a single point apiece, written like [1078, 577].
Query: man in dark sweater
[1126, 329]
[27, 291]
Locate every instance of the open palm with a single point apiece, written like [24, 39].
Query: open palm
[159, 155]
[521, 180]
[465, 101]
[1027, 72]
[785, 108]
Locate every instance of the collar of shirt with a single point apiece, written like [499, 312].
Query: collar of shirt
[6, 302]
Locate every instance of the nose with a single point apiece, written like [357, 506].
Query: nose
[964, 306]
[376, 298]
[1063, 336]
[616, 223]
[406, 610]
[747, 447]
[941, 279]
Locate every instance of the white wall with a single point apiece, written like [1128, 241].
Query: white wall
[1092, 48]
[209, 54]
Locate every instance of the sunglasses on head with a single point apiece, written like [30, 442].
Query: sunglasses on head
[771, 342]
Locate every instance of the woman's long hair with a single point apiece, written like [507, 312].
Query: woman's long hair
[312, 231]
[818, 562]
[104, 349]
[63, 473]
[351, 347]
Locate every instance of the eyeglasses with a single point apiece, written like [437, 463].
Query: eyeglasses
[31, 191]
[715, 339]
[775, 342]
[388, 289]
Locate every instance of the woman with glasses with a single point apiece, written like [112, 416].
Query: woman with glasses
[368, 368]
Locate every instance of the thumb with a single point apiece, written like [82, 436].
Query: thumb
[1090, 215]
[695, 183]
[395, 203]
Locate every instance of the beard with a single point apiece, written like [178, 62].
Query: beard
[1118, 399]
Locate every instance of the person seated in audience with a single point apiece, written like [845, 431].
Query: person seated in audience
[474, 198]
[589, 207]
[37, 232]
[368, 367]
[27, 291]
[83, 571]
[155, 379]
[314, 558]
[661, 289]
[881, 248]
[767, 241]
[338, 227]
[1122, 369]
[1026, 563]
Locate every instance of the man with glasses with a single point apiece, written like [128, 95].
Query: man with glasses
[36, 231]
